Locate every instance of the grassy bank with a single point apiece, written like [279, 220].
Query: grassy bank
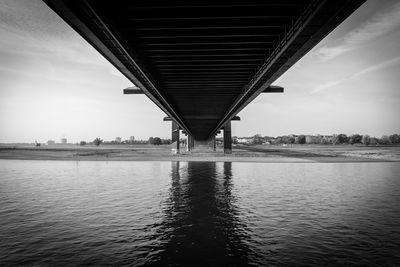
[261, 153]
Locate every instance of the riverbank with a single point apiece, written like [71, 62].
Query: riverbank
[262, 153]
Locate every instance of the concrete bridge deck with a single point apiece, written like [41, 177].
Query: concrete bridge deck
[202, 62]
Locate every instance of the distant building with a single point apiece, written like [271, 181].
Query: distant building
[245, 140]
[310, 139]
[64, 141]
[118, 140]
[328, 138]
[51, 142]
[132, 139]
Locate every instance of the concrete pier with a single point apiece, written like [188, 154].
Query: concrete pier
[227, 138]
[175, 136]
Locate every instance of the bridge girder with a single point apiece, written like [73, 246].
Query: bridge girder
[202, 62]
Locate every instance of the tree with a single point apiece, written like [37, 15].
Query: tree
[366, 140]
[355, 139]
[288, 139]
[258, 139]
[384, 140]
[394, 139]
[342, 139]
[151, 140]
[82, 143]
[157, 141]
[302, 139]
[234, 140]
[97, 141]
[165, 141]
[278, 140]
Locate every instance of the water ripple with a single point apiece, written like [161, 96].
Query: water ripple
[199, 213]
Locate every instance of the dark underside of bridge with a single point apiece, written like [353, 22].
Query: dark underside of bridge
[202, 62]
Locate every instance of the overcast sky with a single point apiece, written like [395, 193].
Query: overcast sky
[53, 84]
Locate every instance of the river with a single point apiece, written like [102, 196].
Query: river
[57, 213]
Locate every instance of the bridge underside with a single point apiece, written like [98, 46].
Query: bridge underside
[202, 62]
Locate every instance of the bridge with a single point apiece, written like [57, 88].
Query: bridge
[202, 62]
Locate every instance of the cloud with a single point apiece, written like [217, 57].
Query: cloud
[327, 85]
[382, 65]
[379, 25]
[327, 53]
[31, 29]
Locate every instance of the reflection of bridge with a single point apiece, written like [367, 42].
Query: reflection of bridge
[202, 62]
[201, 218]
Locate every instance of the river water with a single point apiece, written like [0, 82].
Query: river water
[58, 213]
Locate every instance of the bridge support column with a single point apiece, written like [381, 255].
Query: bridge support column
[214, 143]
[227, 138]
[189, 143]
[175, 136]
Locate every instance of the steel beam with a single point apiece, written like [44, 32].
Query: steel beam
[294, 45]
[218, 55]
[167, 119]
[273, 89]
[133, 91]
[235, 118]
[99, 35]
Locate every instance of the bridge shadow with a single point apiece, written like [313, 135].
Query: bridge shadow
[201, 222]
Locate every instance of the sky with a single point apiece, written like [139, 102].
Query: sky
[53, 84]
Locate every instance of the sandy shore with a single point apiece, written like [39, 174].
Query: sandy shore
[304, 153]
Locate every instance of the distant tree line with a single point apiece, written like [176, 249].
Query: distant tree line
[335, 139]
[125, 142]
[152, 140]
[158, 141]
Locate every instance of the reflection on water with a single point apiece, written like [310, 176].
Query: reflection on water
[203, 223]
[199, 213]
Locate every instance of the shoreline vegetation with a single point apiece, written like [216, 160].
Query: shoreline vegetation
[241, 153]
